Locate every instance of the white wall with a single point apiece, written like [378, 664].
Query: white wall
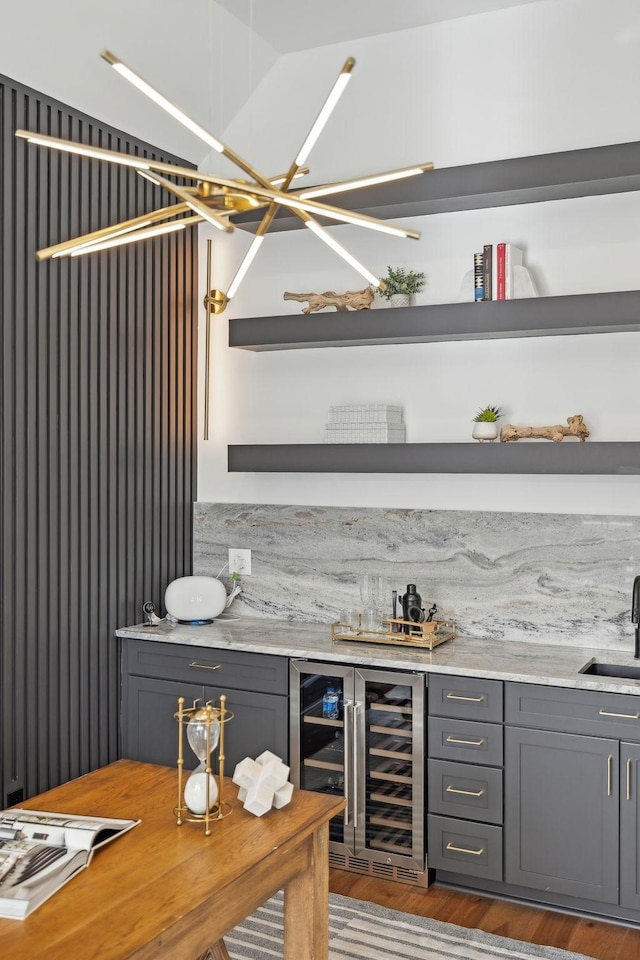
[198, 54]
[554, 75]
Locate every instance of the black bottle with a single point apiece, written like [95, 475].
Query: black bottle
[412, 608]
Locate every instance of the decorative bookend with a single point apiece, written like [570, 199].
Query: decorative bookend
[263, 783]
[356, 299]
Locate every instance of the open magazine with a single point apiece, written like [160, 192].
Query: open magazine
[40, 851]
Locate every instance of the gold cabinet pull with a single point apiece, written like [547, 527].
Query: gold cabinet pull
[465, 793]
[474, 853]
[609, 774]
[204, 666]
[629, 778]
[623, 716]
[455, 696]
[467, 743]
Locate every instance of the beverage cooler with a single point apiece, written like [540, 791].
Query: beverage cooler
[361, 733]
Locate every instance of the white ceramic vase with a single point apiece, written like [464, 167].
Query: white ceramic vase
[485, 430]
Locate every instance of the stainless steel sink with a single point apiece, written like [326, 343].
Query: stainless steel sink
[621, 671]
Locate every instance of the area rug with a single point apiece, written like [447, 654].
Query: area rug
[365, 931]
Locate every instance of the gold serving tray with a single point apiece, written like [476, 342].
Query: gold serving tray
[423, 635]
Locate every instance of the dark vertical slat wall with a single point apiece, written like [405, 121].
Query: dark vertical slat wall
[97, 438]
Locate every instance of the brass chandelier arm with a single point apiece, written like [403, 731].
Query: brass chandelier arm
[146, 233]
[105, 233]
[156, 166]
[158, 98]
[294, 169]
[194, 203]
[325, 189]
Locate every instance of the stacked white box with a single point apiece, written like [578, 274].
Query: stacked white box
[365, 423]
[366, 413]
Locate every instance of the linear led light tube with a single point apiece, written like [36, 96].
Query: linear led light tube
[324, 191]
[244, 266]
[359, 221]
[162, 101]
[96, 153]
[92, 243]
[128, 238]
[326, 111]
[326, 238]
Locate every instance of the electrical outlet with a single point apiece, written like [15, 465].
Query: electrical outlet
[240, 562]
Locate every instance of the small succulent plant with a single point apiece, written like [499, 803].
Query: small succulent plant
[487, 414]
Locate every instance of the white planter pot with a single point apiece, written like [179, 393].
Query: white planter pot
[485, 430]
[400, 300]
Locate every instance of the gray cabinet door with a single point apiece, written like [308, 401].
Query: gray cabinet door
[150, 734]
[562, 813]
[629, 825]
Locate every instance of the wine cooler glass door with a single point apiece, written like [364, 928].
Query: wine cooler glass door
[390, 710]
[322, 735]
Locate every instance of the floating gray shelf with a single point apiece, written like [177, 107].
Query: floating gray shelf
[553, 176]
[524, 457]
[535, 317]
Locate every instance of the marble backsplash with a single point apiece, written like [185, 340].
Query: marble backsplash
[549, 578]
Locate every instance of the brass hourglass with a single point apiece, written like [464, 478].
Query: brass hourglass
[200, 796]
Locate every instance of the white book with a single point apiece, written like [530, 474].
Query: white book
[513, 257]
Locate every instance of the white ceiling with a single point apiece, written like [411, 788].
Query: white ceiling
[291, 25]
[208, 56]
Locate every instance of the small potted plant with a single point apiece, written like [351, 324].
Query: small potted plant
[400, 286]
[485, 423]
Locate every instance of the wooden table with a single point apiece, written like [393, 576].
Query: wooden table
[166, 891]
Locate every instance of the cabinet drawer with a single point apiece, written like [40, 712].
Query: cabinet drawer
[227, 669]
[465, 790]
[467, 698]
[459, 846]
[465, 741]
[573, 711]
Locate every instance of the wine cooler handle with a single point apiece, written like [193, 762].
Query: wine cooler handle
[354, 757]
[348, 760]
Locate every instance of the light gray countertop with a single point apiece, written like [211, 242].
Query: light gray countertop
[497, 659]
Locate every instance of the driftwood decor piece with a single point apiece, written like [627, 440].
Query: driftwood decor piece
[576, 428]
[356, 299]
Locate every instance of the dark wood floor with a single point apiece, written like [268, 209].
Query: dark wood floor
[604, 941]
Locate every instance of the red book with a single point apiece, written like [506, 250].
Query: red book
[501, 272]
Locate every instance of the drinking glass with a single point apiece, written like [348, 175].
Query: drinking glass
[367, 593]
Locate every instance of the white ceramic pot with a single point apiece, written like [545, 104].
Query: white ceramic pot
[400, 300]
[485, 430]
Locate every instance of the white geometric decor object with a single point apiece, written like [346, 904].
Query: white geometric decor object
[263, 783]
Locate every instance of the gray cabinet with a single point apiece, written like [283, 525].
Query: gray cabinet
[629, 825]
[464, 822]
[572, 794]
[562, 813]
[156, 674]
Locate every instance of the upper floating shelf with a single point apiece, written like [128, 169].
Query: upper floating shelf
[616, 312]
[552, 176]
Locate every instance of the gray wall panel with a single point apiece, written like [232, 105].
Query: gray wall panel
[97, 438]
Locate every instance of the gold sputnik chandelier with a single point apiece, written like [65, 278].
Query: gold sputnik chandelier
[217, 200]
